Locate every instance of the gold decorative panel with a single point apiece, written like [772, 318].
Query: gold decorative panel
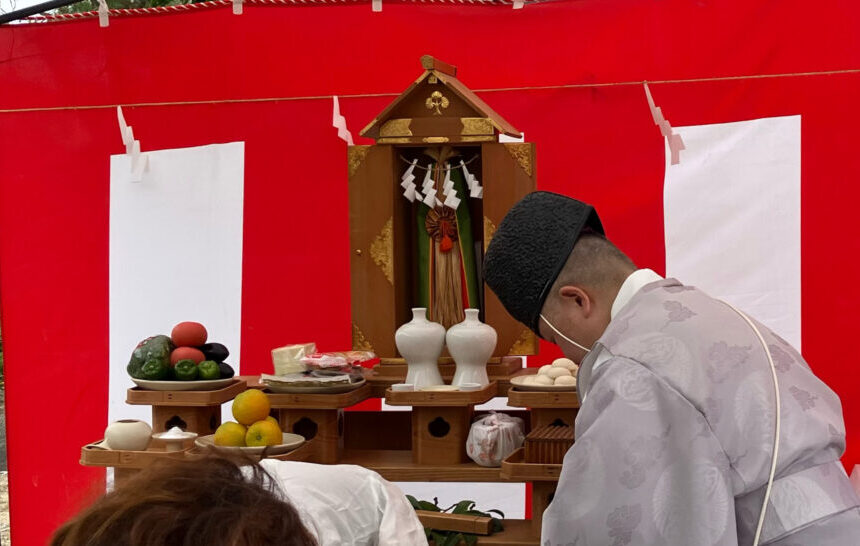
[522, 152]
[396, 128]
[476, 126]
[526, 344]
[382, 250]
[489, 231]
[355, 156]
[359, 342]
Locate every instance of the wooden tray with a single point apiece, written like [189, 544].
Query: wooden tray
[443, 521]
[396, 367]
[436, 398]
[319, 401]
[138, 396]
[529, 399]
[515, 468]
[93, 456]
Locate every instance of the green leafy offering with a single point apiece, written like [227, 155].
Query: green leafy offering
[153, 348]
[466, 507]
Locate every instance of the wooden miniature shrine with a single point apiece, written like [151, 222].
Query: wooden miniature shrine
[428, 443]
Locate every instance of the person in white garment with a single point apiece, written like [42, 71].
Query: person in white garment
[217, 501]
[682, 395]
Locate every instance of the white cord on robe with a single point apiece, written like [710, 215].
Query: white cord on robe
[776, 432]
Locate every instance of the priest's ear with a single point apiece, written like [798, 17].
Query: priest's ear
[574, 298]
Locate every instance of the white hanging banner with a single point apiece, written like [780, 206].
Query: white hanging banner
[189, 211]
[732, 217]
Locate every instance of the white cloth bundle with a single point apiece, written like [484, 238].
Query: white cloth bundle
[493, 437]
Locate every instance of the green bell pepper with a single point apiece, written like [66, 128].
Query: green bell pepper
[155, 369]
[208, 369]
[185, 370]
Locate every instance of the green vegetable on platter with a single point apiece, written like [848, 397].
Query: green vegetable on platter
[185, 370]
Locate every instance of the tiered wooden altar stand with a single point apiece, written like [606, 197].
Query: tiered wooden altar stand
[426, 444]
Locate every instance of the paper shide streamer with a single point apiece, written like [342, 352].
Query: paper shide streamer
[676, 144]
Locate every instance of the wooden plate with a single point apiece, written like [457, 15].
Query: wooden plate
[290, 442]
[519, 383]
[332, 389]
[201, 385]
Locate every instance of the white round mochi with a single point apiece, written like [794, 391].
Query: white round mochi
[544, 369]
[565, 363]
[543, 380]
[558, 372]
[565, 380]
[529, 380]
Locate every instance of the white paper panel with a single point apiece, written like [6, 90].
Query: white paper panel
[175, 254]
[732, 217]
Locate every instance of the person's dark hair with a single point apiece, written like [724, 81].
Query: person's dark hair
[209, 501]
[594, 263]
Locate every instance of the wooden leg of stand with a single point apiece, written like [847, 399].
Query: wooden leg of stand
[200, 419]
[439, 434]
[542, 493]
[325, 427]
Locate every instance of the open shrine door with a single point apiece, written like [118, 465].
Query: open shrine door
[509, 174]
[379, 284]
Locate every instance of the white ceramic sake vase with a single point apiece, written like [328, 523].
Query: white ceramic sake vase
[471, 343]
[128, 435]
[421, 341]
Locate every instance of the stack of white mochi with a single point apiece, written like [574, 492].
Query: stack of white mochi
[562, 371]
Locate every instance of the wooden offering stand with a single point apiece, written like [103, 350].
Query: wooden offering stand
[318, 417]
[440, 422]
[426, 444]
[193, 411]
[545, 408]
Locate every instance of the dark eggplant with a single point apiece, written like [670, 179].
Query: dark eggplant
[226, 370]
[215, 351]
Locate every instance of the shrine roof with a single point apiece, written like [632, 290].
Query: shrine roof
[438, 71]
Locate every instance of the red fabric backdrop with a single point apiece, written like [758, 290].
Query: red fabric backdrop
[598, 144]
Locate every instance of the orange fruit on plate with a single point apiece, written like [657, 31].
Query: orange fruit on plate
[230, 434]
[272, 419]
[251, 406]
[263, 433]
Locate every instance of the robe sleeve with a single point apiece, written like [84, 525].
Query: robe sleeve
[645, 469]
[399, 525]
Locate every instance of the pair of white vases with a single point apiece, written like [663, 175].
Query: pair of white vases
[471, 344]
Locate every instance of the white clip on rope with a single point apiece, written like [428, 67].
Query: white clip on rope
[103, 13]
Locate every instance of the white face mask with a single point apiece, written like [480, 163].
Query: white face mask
[564, 337]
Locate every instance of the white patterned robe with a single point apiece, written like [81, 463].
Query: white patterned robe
[675, 435]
